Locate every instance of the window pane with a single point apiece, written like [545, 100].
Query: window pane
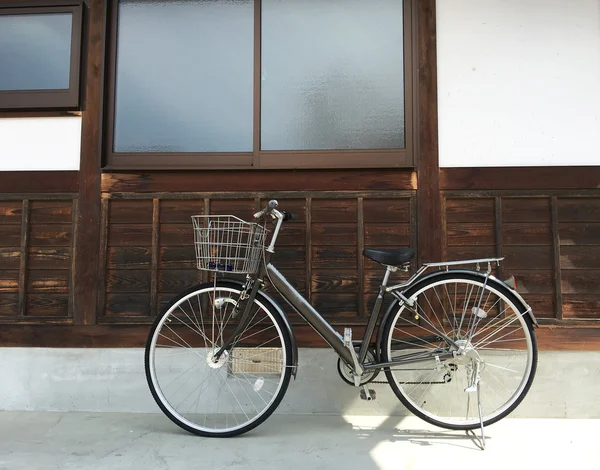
[35, 51]
[184, 76]
[332, 74]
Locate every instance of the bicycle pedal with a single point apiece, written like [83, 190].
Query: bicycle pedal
[372, 395]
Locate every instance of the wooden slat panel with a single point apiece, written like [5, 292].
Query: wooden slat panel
[130, 234]
[527, 257]
[387, 235]
[470, 210]
[128, 257]
[128, 280]
[334, 280]
[536, 282]
[10, 212]
[343, 257]
[290, 258]
[49, 258]
[9, 280]
[127, 305]
[580, 282]
[130, 212]
[10, 258]
[176, 234]
[520, 178]
[579, 209]
[574, 233]
[176, 257]
[526, 234]
[306, 180]
[470, 234]
[50, 235]
[387, 210]
[10, 235]
[336, 304]
[9, 304]
[242, 208]
[180, 211]
[374, 276]
[541, 304]
[581, 306]
[334, 234]
[454, 253]
[47, 280]
[525, 209]
[47, 305]
[328, 210]
[290, 234]
[50, 212]
[580, 257]
[178, 281]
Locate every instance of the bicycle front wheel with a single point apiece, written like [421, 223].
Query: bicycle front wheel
[224, 397]
[488, 364]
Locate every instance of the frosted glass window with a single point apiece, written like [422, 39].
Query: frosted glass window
[332, 74]
[35, 51]
[184, 76]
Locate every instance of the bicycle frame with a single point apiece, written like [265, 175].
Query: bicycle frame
[325, 330]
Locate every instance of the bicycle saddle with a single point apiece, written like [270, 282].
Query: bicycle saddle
[389, 256]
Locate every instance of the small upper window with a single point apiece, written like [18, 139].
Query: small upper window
[40, 56]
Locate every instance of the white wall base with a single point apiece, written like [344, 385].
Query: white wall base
[113, 380]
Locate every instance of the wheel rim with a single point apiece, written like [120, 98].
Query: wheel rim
[223, 396]
[493, 337]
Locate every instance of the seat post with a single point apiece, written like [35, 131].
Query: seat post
[386, 277]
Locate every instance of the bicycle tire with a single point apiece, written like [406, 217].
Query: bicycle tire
[401, 378]
[244, 381]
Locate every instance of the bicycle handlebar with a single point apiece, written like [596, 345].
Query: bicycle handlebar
[271, 208]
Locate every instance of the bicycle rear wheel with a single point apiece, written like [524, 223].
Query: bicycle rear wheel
[220, 398]
[494, 356]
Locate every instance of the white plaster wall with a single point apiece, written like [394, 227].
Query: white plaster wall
[28, 144]
[518, 82]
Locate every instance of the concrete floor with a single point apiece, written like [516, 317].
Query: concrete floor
[32, 440]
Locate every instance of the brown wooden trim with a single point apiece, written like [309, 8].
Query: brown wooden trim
[155, 254]
[336, 159]
[429, 201]
[360, 260]
[101, 262]
[38, 181]
[305, 180]
[23, 261]
[308, 249]
[498, 233]
[88, 218]
[74, 212]
[126, 336]
[558, 302]
[517, 178]
[49, 98]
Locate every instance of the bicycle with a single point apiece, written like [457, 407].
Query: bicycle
[457, 346]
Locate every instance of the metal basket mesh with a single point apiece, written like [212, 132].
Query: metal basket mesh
[225, 243]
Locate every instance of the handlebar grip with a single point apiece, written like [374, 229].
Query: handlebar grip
[289, 216]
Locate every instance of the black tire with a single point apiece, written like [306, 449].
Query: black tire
[183, 303]
[431, 290]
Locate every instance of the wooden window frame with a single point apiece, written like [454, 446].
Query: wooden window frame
[48, 99]
[267, 159]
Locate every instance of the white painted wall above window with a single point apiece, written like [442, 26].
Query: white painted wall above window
[518, 82]
[28, 144]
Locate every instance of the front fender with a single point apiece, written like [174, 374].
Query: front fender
[264, 298]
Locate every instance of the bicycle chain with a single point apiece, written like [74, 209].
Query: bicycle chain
[414, 383]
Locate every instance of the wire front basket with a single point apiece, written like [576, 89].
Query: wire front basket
[225, 243]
